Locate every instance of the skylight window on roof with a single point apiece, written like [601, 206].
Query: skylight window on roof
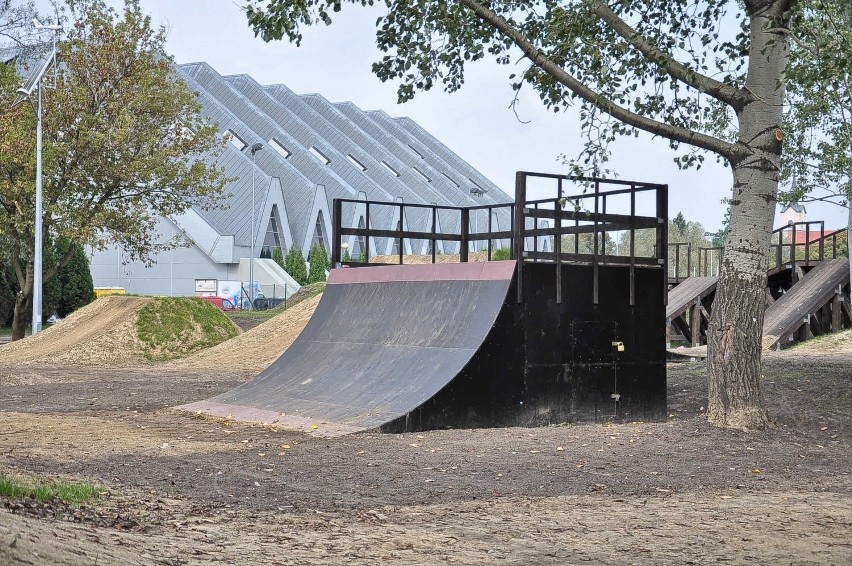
[279, 147]
[319, 155]
[393, 171]
[411, 147]
[235, 140]
[450, 179]
[354, 161]
[422, 175]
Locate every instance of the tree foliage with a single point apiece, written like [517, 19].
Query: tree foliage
[819, 144]
[706, 75]
[294, 264]
[123, 137]
[318, 258]
[278, 257]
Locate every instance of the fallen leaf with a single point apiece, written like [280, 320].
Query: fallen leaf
[755, 470]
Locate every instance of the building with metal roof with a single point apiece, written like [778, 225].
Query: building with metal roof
[313, 152]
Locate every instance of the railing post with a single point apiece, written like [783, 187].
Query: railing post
[336, 214]
[663, 232]
[465, 231]
[519, 227]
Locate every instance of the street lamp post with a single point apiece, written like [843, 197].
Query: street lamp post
[24, 93]
[254, 149]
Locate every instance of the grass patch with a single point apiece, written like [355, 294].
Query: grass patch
[305, 293]
[249, 319]
[171, 327]
[72, 493]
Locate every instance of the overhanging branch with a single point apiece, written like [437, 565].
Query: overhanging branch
[719, 90]
[539, 59]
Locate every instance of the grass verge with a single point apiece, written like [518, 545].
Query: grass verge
[72, 493]
[171, 327]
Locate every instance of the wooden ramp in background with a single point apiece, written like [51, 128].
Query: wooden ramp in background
[688, 308]
[685, 294]
[814, 305]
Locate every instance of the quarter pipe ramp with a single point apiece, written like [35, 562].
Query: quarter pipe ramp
[382, 341]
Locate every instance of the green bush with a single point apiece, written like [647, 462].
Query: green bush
[319, 264]
[171, 327]
[294, 264]
[501, 254]
[278, 257]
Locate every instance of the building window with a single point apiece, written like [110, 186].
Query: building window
[450, 179]
[231, 137]
[422, 175]
[393, 171]
[319, 233]
[319, 155]
[354, 161]
[279, 147]
[420, 155]
[272, 239]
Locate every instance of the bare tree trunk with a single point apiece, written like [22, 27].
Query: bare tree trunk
[735, 392]
[23, 304]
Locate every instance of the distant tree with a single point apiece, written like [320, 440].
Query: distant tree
[8, 290]
[121, 138]
[294, 264]
[679, 223]
[818, 149]
[78, 289]
[318, 259]
[278, 257]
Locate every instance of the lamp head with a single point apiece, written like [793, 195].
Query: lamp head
[256, 147]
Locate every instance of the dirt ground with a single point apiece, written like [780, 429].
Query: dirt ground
[181, 489]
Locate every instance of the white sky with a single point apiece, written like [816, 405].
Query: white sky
[475, 122]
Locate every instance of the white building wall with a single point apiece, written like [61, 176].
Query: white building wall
[173, 273]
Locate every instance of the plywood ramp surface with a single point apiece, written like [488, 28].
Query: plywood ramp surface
[811, 293]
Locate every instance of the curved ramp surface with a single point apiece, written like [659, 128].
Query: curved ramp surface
[382, 341]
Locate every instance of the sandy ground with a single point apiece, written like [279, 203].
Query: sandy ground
[101, 334]
[183, 489]
[188, 490]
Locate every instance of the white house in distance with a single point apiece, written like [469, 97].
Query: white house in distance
[313, 151]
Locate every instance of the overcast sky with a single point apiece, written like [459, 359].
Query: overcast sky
[475, 122]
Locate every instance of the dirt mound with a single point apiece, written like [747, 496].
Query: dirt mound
[835, 343]
[255, 350]
[101, 334]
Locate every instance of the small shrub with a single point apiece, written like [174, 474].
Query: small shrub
[501, 254]
[294, 264]
[171, 327]
[319, 264]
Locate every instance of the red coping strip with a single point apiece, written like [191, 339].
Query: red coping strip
[323, 429]
[471, 271]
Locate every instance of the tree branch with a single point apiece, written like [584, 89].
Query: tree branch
[539, 59]
[729, 94]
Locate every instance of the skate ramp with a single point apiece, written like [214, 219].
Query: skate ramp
[786, 315]
[382, 341]
[687, 292]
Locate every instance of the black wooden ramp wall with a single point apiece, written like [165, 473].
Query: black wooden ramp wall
[382, 342]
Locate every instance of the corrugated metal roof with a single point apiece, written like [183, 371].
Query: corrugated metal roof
[393, 159]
